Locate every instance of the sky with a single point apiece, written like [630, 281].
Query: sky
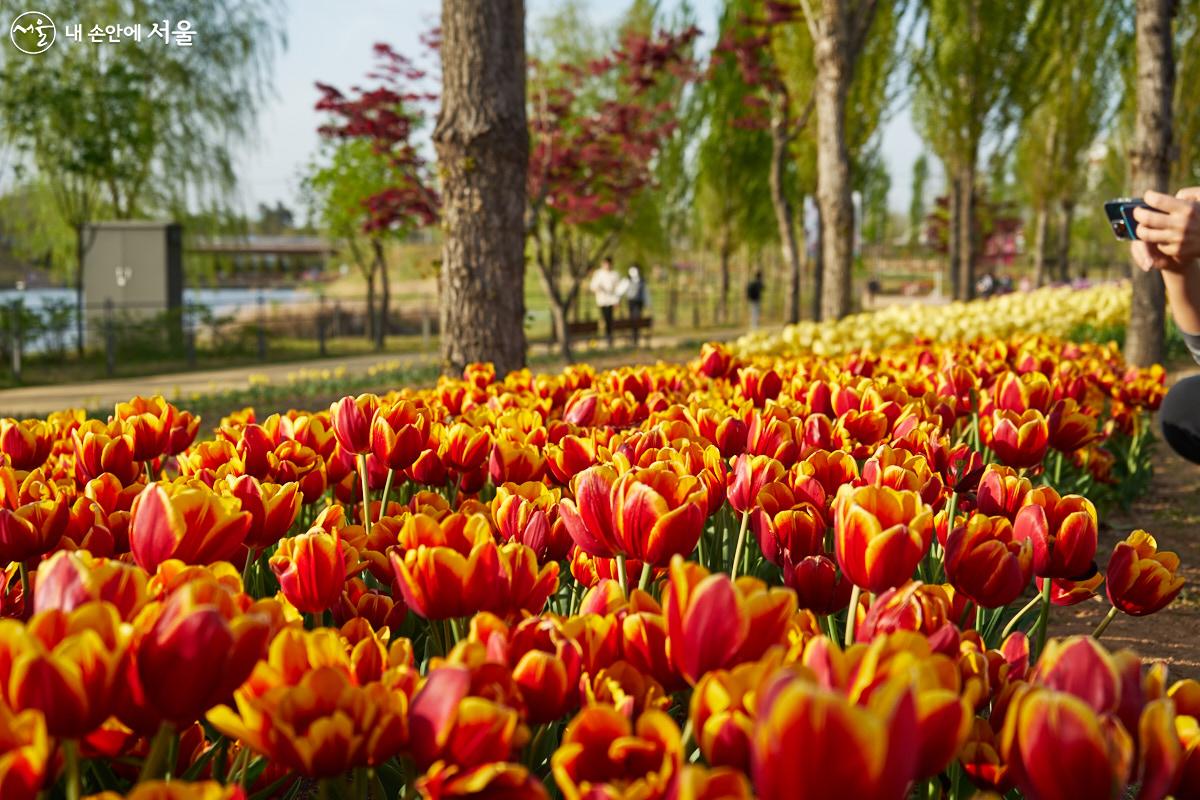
[335, 47]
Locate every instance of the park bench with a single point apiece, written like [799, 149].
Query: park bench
[641, 326]
[578, 331]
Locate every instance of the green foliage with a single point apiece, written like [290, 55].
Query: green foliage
[875, 183]
[338, 184]
[978, 68]
[660, 219]
[792, 52]
[916, 204]
[147, 124]
[1186, 169]
[733, 197]
[878, 78]
[1087, 47]
[38, 234]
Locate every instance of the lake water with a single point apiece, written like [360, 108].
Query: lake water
[218, 301]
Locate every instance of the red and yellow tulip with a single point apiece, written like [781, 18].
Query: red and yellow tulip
[880, 535]
[185, 521]
[1140, 579]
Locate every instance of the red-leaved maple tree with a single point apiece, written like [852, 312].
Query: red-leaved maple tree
[596, 129]
[386, 116]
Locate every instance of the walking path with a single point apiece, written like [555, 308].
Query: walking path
[41, 400]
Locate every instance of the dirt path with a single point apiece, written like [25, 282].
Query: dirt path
[1170, 510]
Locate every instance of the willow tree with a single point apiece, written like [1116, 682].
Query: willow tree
[839, 30]
[1086, 48]
[150, 132]
[1185, 170]
[760, 37]
[734, 191]
[979, 68]
[916, 203]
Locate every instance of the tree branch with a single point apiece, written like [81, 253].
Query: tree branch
[814, 22]
[861, 22]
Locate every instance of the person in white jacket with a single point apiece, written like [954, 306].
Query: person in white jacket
[609, 288]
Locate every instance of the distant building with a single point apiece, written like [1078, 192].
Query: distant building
[256, 259]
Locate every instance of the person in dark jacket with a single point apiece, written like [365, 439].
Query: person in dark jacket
[1169, 241]
[637, 293]
[754, 293]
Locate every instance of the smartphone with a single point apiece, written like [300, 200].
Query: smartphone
[1120, 216]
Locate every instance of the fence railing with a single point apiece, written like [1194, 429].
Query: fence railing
[127, 337]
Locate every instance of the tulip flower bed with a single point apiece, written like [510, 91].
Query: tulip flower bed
[804, 577]
[1058, 311]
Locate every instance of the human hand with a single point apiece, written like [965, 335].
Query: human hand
[1169, 230]
[1147, 256]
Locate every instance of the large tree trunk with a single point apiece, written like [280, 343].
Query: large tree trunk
[967, 245]
[1041, 230]
[784, 215]
[483, 152]
[833, 161]
[1064, 240]
[1149, 162]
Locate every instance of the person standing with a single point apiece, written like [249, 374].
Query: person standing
[607, 289]
[638, 296]
[754, 293]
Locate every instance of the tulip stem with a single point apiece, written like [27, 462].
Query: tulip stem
[687, 741]
[152, 767]
[366, 492]
[1012, 623]
[1058, 468]
[26, 594]
[250, 559]
[644, 580]
[242, 763]
[622, 578]
[535, 745]
[851, 613]
[435, 633]
[71, 757]
[1104, 623]
[387, 489]
[741, 544]
[1044, 618]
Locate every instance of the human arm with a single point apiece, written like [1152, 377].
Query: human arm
[1169, 241]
